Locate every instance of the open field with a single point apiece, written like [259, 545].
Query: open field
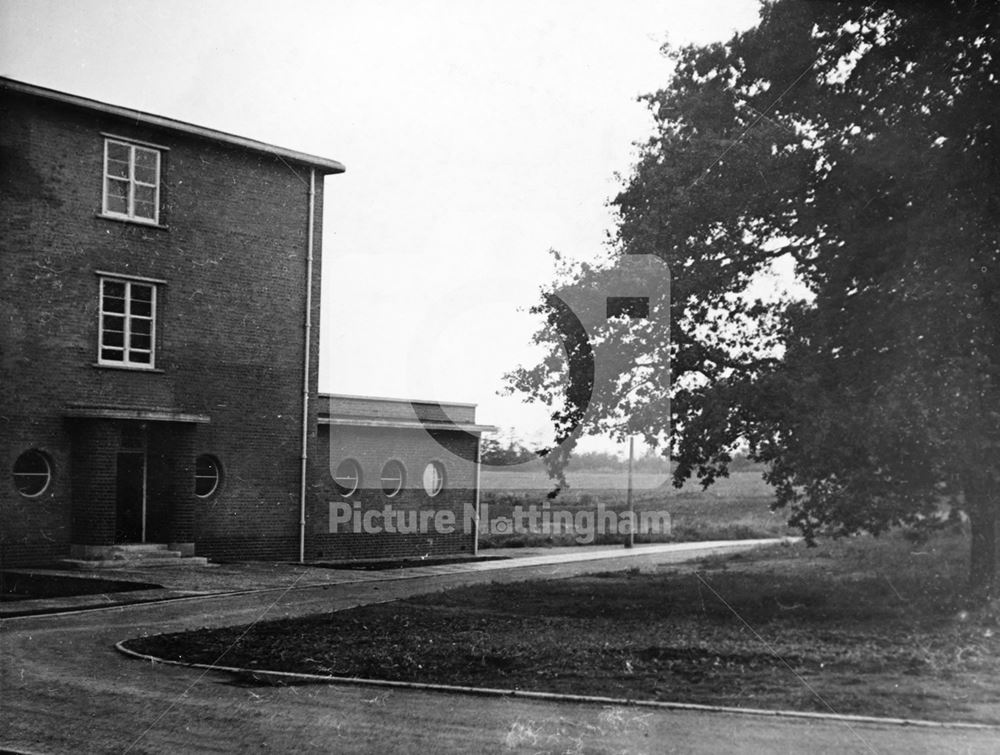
[746, 482]
[864, 626]
[733, 508]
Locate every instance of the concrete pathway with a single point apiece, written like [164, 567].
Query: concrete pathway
[181, 581]
[64, 689]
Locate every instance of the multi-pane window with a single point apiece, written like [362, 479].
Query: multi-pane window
[131, 181]
[128, 323]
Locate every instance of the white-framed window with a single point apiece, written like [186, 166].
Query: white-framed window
[434, 478]
[393, 478]
[32, 473]
[127, 334]
[347, 477]
[131, 181]
[207, 475]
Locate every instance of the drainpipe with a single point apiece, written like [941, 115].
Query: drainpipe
[305, 367]
[479, 467]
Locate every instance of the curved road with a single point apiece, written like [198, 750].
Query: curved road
[63, 688]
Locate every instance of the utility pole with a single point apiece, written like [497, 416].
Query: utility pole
[630, 540]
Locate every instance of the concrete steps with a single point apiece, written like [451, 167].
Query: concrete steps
[134, 556]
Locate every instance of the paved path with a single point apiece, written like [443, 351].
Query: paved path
[178, 581]
[64, 689]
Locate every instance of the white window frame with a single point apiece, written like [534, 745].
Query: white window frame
[392, 484]
[355, 478]
[19, 477]
[126, 348]
[129, 214]
[215, 478]
[434, 478]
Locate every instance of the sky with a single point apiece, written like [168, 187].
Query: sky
[476, 135]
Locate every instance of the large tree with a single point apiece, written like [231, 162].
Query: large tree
[855, 147]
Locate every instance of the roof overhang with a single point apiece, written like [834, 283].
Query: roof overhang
[137, 116]
[407, 424]
[395, 400]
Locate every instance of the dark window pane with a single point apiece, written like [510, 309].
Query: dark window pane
[117, 205]
[145, 176]
[114, 288]
[118, 151]
[142, 292]
[117, 196]
[31, 473]
[347, 477]
[113, 338]
[142, 309]
[142, 327]
[145, 201]
[112, 355]
[392, 478]
[140, 342]
[114, 323]
[117, 169]
[204, 466]
[31, 462]
[206, 476]
[140, 356]
[146, 158]
[114, 305]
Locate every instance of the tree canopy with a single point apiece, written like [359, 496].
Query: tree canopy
[853, 147]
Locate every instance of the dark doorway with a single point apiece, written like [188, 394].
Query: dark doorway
[130, 494]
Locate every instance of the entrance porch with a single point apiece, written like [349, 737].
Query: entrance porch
[132, 482]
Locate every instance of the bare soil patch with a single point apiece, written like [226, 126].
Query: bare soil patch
[17, 585]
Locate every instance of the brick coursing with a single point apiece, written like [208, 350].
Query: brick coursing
[371, 448]
[229, 329]
[229, 347]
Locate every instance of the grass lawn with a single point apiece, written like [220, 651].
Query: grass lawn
[864, 626]
[735, 507]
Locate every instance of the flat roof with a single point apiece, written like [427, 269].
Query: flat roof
[396, 424]
[401, 413]
[394, 400]
[160, 121]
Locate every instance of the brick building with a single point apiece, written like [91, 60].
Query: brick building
[159, 310]
[409, 466]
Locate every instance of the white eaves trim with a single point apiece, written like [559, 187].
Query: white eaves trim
[407, 424]
[137, 116]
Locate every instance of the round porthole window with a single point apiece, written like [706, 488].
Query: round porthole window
[207, 475]
[393, 478]
[347, 477]
[434, 478]
[32, 473]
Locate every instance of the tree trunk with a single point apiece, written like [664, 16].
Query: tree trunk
[981, 505]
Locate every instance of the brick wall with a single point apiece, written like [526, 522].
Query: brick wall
[230, 319]
[229, 322]
[371, 448]
[95, 446]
